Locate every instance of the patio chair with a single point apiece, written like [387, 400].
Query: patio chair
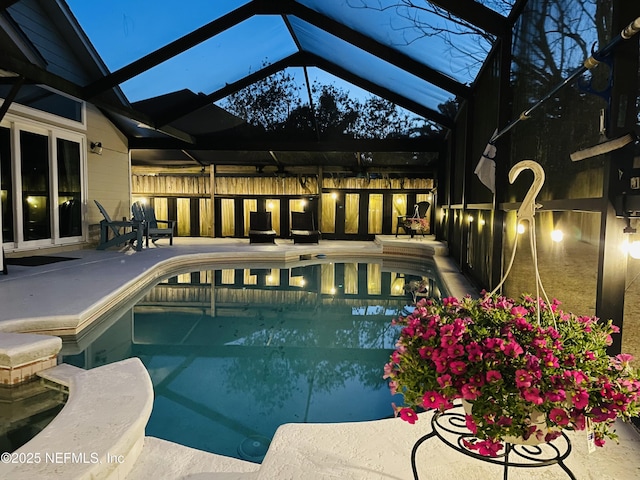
[124, 232]
[303, 228]
[412, 224]
[152, 230]
[260, 229]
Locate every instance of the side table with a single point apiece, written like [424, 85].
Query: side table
[450, 428]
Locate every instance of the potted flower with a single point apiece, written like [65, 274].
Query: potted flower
[509, 361]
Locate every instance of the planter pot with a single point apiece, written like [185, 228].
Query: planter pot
[537, 418]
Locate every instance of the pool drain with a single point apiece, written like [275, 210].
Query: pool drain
[254, 448]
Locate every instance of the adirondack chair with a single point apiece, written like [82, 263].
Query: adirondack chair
[124, 232]
[413, 224]
[260, 229]
[303, 229]
[152, 230]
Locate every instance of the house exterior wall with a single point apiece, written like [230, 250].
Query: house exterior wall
[108, 174]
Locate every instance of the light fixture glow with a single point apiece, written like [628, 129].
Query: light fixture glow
[470, 219]
[482, 222]
[634, 249]
[557, 235]
[334, 195]
[520, 228]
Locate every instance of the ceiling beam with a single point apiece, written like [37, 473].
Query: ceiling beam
[11, 96]
[477, 14]
[264, 144]
[171, 50]
[380, 91]
[384, 52]
[35, 74]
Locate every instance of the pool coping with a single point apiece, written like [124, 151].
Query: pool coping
[138, 278]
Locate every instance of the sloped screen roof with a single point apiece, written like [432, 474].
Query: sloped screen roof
[422, 56]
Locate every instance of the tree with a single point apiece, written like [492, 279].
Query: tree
[418, 19]
[266, 103]
[275, 105]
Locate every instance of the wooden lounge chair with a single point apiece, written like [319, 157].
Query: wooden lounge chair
[152, 230]
[412, 224]
[124, 232]
[303, 229]
[260, 229]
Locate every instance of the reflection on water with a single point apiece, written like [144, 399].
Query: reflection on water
[233, 354]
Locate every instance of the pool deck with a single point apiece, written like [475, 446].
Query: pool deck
[66, 295]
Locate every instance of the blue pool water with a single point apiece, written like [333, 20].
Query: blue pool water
[234, 354]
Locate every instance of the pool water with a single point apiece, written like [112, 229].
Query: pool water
[233, 354]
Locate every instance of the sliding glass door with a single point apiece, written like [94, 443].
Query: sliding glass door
[42, 176]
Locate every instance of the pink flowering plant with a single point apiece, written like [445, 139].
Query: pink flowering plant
[507, 359]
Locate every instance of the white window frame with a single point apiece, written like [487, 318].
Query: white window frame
[53, 133]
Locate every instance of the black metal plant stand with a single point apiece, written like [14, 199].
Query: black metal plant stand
[450, 428]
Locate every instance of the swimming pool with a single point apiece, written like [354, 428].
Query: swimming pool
[235, 353]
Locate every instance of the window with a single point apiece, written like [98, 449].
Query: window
[46, 101]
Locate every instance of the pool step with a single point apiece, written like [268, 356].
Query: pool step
[100, 431]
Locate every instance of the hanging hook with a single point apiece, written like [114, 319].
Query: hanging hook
[526, 212]
[528, 208]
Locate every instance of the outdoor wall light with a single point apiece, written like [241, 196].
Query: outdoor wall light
[470, 218]
[96, 147]
[557, 236]
[334, 195]
[482, 222]
[521, 228]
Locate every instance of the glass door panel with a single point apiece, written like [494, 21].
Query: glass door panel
[69, 188]
[36, 216]
[6, 185]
